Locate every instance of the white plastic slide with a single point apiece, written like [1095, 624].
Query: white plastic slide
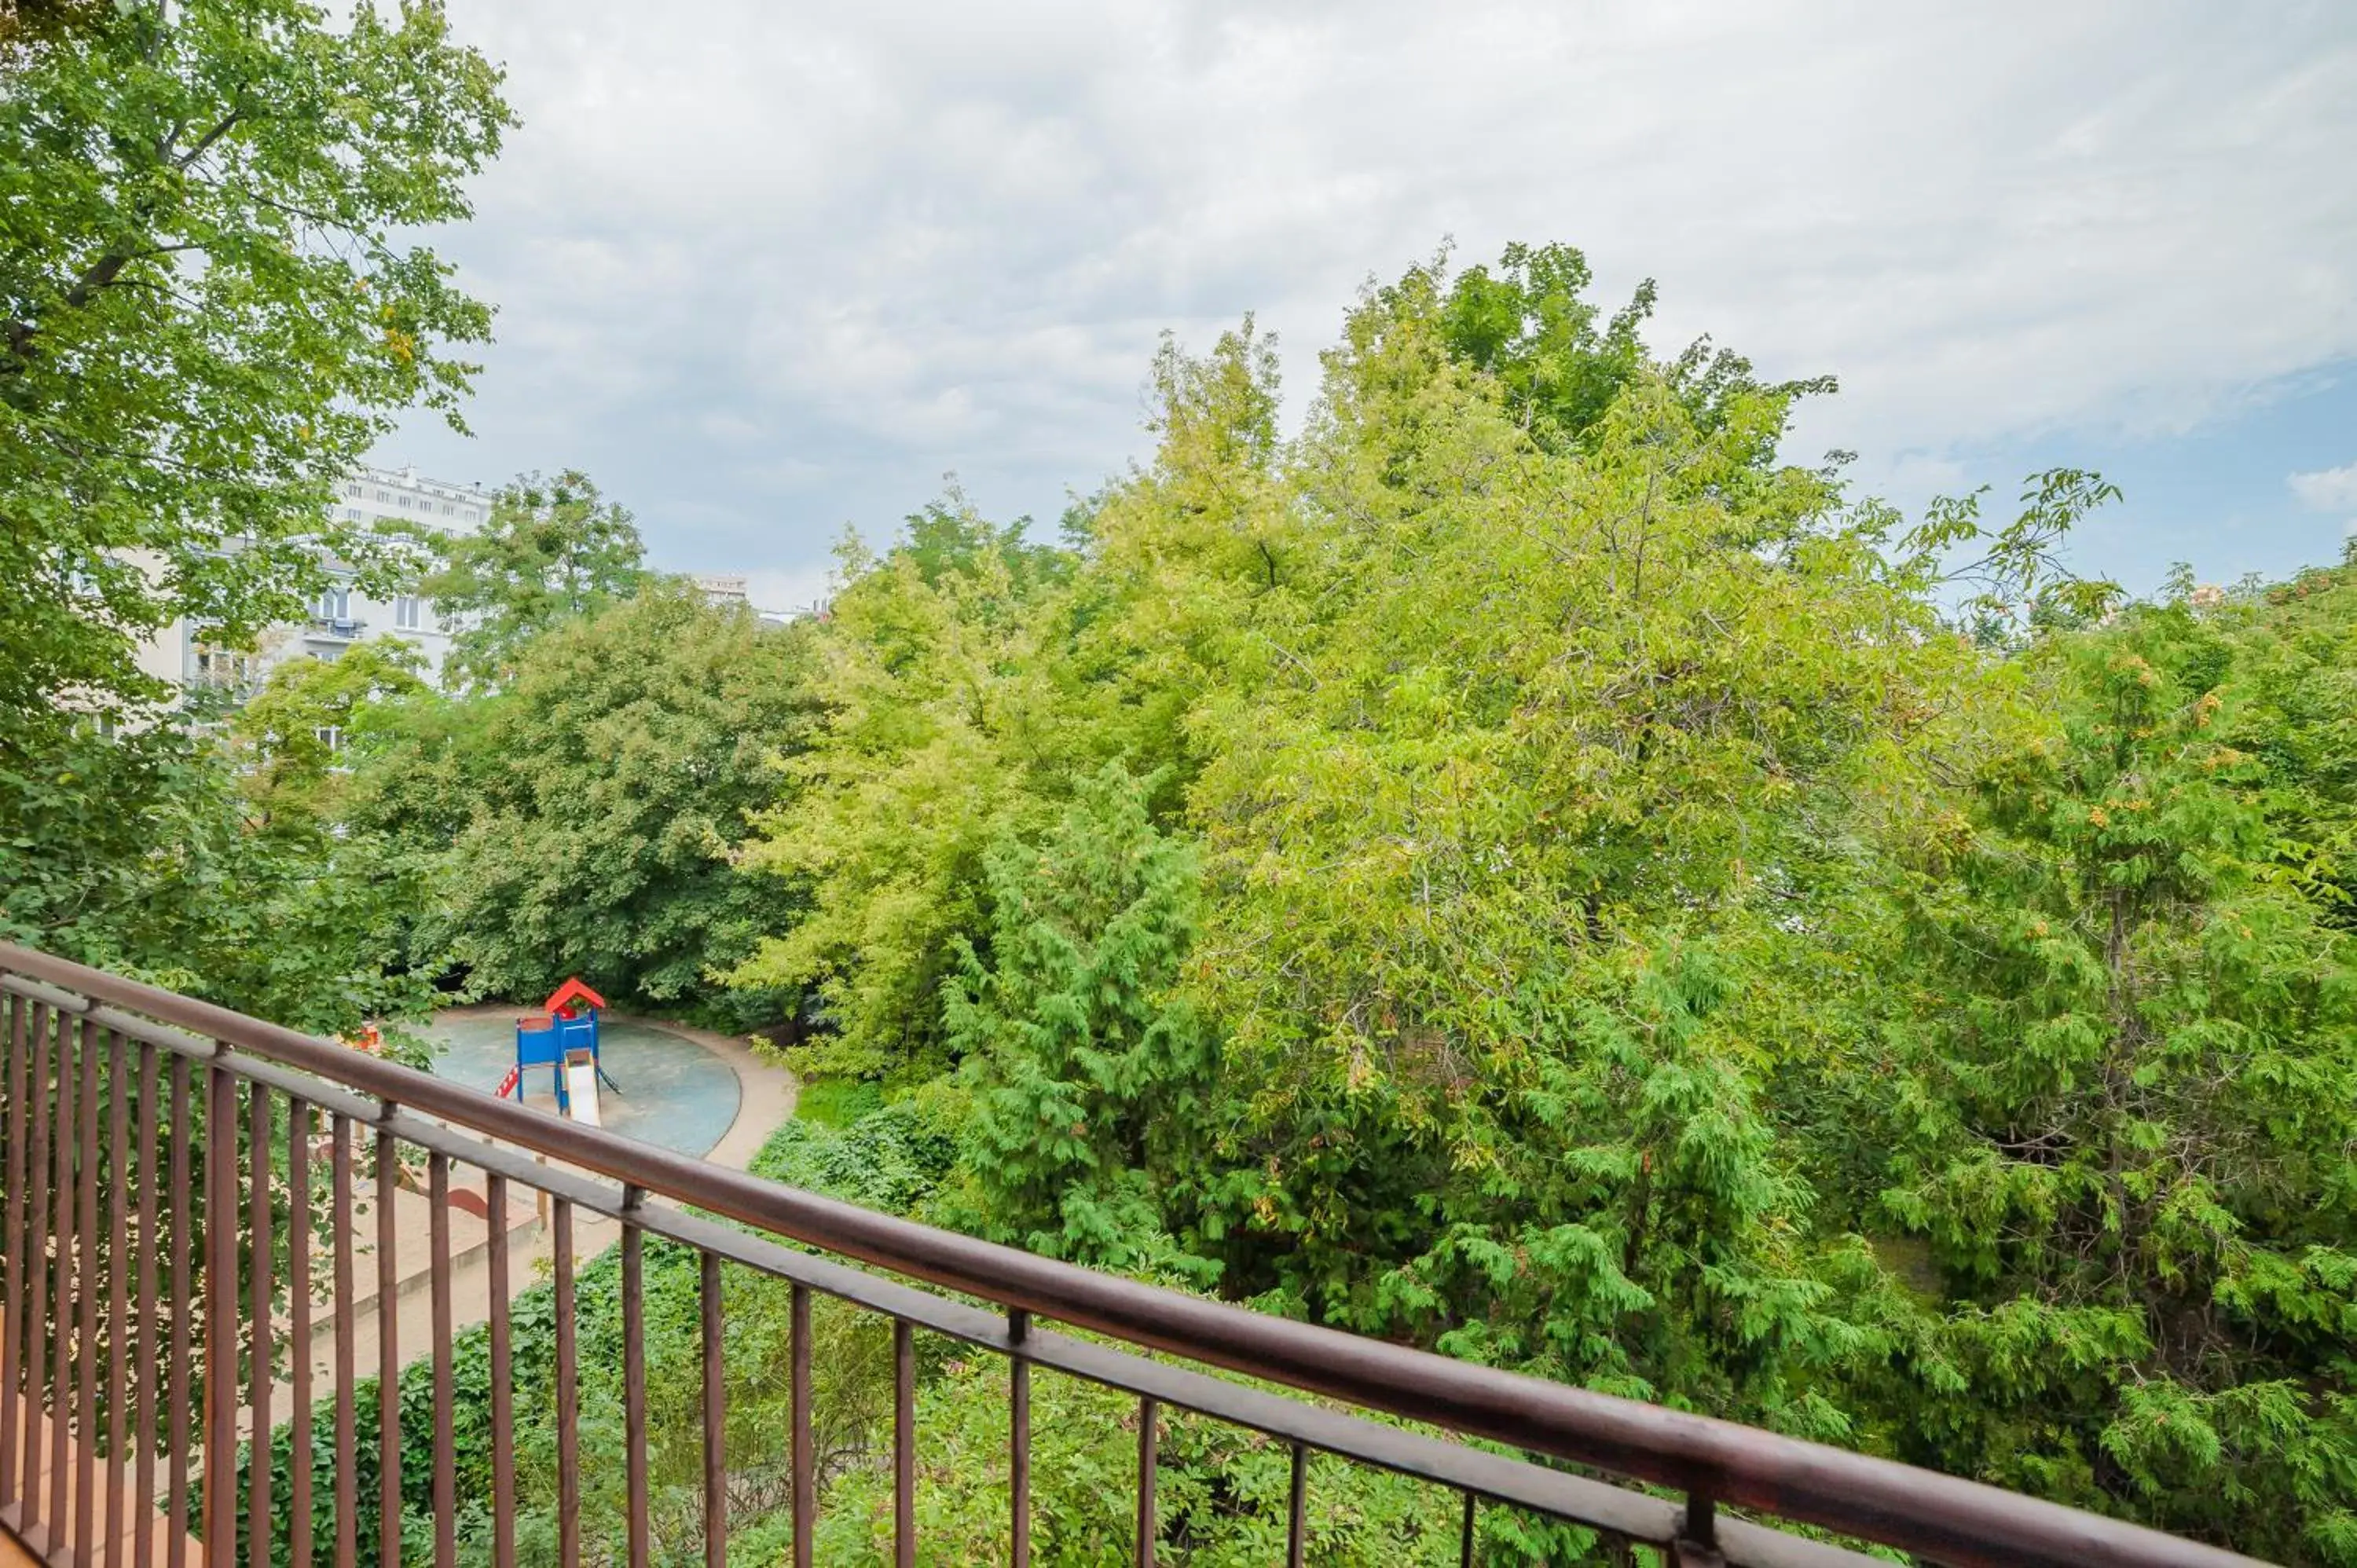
[581, 1087]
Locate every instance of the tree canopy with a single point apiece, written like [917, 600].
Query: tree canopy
[1522, 868]
[604, 790]
[214, 299]
[210, 306]
[551, 550]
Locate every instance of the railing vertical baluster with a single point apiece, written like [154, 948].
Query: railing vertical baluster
[1464, 1537]
[181, 1310]
[495, 1207]
[86, 1296]
[388, 1349]
[221, 1317]
[37, 1255]
[300, 1521]
[715, 1419]
[257, 1328]
[1018, 1440]
[86, 1290]
[62, 1285]
[1697, 1538]
[152, 1358]
[634, 1378]
[1149, 1447]
[12, 1303]
[347, 1440]
[904, 1444]
[805, 1488]
[118, 1290]
[568, 1385]
[445, 1449]
[1296, 1512]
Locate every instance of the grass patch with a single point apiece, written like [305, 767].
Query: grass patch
[837, 1102]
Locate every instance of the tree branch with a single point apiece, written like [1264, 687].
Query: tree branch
[204, 142]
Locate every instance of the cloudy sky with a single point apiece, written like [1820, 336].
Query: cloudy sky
[768, 271]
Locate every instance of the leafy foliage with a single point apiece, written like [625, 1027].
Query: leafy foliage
[1530, 326]
[1084, 1074]
[583, 820]
[919, 768]
[2119, 1114]
[551, 551]
[851, 1398]
[1520, 868]
[1221, 1493]
[137, 853]
[208, 310]
[290, 735]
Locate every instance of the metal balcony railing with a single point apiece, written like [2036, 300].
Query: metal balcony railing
[141, 1301]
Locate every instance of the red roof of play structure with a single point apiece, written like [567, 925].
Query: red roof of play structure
[564, 995]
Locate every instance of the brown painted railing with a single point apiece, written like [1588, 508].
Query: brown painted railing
[139, 1258]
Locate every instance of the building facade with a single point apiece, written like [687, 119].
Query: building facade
[344, 613]
[720, 589]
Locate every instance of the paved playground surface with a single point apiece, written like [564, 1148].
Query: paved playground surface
[675, 1092]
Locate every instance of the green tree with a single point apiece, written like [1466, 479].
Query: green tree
[923, 672]
[2118, 1110]
[2295, 667]
[1531, 324]
[291, 736]
[212, 305]
[1503, 845]
[552, 549]
[1086, 1076]
[210, 310]
[972, 682]
[138, 853]
[606, 789]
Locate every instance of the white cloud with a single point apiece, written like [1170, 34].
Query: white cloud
[776, 270]
[2327, 490]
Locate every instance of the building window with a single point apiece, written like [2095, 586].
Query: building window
[336, 603]
[230, 668]
[331, 736]
[353, 491]
[408, 612]
[384, 495]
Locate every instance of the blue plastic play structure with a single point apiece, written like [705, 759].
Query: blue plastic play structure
[565, 1028]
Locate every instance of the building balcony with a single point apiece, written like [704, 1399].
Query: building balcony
[335, 628]
[193, 1199]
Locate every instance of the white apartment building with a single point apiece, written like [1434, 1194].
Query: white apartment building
[343, 614]
[719, 588]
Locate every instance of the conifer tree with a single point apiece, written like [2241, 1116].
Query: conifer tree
[2122, 1110]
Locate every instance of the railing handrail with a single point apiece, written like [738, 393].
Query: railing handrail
[1938, 1516]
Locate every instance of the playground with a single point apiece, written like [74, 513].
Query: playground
[659, 1084]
